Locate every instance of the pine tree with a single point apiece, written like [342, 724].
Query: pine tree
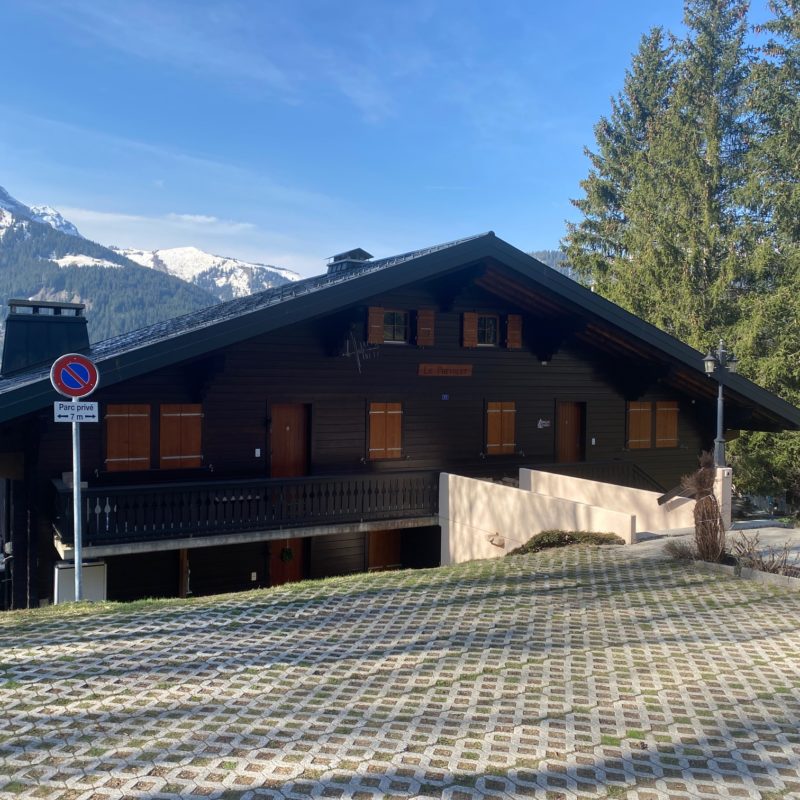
[768, 338]
[597, 242]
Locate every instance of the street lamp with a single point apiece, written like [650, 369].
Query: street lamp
[720, 361]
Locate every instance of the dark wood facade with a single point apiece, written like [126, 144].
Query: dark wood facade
[288, 412]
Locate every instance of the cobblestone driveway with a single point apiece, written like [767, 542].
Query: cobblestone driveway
[589, 673]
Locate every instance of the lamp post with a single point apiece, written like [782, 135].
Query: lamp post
[720, 361]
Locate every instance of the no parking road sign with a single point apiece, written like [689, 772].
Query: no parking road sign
[74, 375]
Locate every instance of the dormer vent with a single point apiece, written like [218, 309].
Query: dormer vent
[39, 331]
[347, 261]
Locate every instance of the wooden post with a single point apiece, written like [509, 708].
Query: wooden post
[183, 572]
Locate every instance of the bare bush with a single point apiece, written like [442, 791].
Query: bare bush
[778, 560]
[709, 529]
[680, 550]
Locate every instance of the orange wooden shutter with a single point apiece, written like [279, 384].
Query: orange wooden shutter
[514, 332]
[180, 442]
[640, 425]
[508, 433]
[426, 318]
[470, 329]
[377, 430]
[127, 437]
[494, 428]
[385, 430]
[666, 423]
[394, 430]
[375, 325]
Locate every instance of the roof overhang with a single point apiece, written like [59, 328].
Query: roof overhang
[509, 272]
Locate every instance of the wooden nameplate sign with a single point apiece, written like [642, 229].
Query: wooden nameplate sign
[445, 370]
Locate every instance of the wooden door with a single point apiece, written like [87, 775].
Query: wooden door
[384, 550]
[286, 559]
[289, 440]
[570, 432]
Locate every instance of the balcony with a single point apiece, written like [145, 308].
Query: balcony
[116, 515]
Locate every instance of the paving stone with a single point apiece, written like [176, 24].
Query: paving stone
[585, 672]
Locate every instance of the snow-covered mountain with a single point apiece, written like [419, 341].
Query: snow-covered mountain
[53, 218]
[46, 214]
[222, 276]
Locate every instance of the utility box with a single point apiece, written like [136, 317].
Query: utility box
[94, 582]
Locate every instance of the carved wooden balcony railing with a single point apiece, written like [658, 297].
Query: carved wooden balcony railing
[180, 510]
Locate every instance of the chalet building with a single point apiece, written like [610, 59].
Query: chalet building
[301, 432]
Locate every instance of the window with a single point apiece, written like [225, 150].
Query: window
[390, 325]
[483, 330]
[127, 437]
[385, 430]
[500, 428]
[180, 443]
[666, 423]
[488, 330]
[646, 429]
[395, 326]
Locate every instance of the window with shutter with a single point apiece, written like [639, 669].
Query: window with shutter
[500, 428]
[375, 325]
[514, 332]
[127, 429]
[385, 430]
[469, 333]
[426, 320]
[666, 423]
[640, 425]
[180, 436]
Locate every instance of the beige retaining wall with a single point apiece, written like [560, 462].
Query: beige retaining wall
[480, 519]
[650, 516]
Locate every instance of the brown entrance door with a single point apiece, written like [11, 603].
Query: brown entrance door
[286, 558]
[570, 432]
[289, 440]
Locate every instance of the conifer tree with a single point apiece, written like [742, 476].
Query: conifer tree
[596, 243]
[768, 336]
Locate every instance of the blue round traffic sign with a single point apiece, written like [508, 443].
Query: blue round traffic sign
[74, 375]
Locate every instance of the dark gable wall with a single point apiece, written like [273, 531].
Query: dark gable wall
[296, 365]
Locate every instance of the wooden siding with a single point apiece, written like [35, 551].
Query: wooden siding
[338, 554]
[443, 418]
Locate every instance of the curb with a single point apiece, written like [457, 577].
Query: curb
[766, 578]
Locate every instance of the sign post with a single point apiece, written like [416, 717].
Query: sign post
[75, 376]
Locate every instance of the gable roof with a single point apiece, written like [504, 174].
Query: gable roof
[193, 335]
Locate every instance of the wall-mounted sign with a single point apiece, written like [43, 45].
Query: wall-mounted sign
[543, 423]
[445, 370]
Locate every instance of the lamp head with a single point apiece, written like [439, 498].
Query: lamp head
[710, 363]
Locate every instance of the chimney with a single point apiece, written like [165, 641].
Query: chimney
[39, 331]
[347, 261]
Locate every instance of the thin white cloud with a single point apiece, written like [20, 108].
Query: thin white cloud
[196, 38]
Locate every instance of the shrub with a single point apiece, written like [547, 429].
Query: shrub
[778, 560]
[680, 550]
[558, 538]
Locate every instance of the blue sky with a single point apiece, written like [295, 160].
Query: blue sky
[285, 132]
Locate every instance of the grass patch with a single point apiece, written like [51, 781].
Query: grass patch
[557, 538]
[610, 741]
